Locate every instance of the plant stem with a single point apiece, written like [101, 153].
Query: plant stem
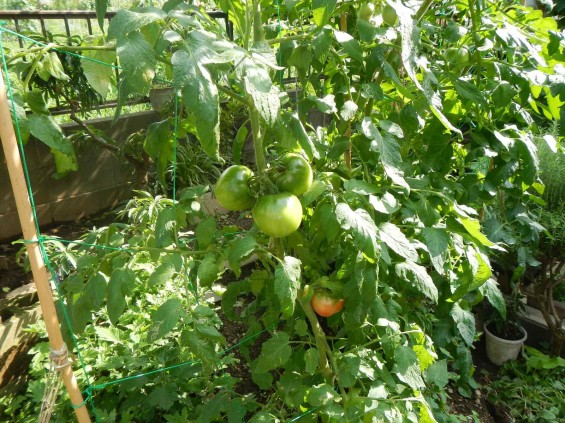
[234, 95]
[260, 160]
[258, 31]
[319, 336]
[298, 37]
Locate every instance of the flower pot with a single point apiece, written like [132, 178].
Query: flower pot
[501, 350]
[160, 98]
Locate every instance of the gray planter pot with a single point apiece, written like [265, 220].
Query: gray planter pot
[501, 350]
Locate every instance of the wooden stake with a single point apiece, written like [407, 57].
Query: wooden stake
[40, 274]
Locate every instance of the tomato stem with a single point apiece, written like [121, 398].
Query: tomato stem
[260, 160]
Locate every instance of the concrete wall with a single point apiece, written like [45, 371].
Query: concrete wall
[101, 182]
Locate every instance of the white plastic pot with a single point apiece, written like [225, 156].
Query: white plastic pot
[501, 350]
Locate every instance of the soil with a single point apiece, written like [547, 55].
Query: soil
[15, 361]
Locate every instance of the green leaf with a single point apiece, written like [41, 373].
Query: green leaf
[406, 367]
[137, 60]
[311, 358]
[163, 273]
[205, 232]
[119, 286]
[201, 348]
[109, 334]
[393, 237]
[208, 270]
[348, 110]
[51, 66]
[419, 277]
[438, 374]
[287, 283]
[503, 94]
[387, 204]
[240, 249]
[492, 293]
[99, 76]
[325, 104]
[165, 226]
[95, 291]
[163, 396]
[159, 145]
[465, 323]
[350, 45]
[437, 240]
[322, 10]
[274, 353]
[321, 395]
[361, 226]
[469, 92]
[45, 129]
[125, 22]
[388, 149]
[474, 228]
[264, 93]
[199, 92]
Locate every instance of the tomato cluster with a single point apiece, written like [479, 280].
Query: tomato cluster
[277, 214]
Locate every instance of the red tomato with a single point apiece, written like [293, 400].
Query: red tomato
[325, 305]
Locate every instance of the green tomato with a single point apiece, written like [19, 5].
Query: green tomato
[232, 188]
[389, 15]
[457, 56]
[297, 175]
[278, 215]
[366, 11]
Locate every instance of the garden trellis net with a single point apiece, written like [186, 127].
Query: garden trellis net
[93, 386]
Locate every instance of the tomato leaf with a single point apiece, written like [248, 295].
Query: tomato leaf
[199, 91]
[287, 283]
[127, 21]
[165, 318]
[361, 226]
[311, 359]
[240, 249]
[465, 323]
[393, 237]
[205, 232]
[419, 277]
[138, 61]
[322, 10]
[163, 273]
[407, 368]
[437, 240]
[119, 286]
[274, 353]
[438, 374]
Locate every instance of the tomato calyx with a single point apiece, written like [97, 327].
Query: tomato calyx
[292, 173]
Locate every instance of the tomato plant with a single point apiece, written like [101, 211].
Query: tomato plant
[423, 176]
[278, 215]
[232, 188]
[325, 305]
[295, 175]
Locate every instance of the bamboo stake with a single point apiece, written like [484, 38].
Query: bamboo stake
[40, 274]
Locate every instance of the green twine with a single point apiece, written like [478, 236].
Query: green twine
[175, 148]
[312, 410]
[39, 43]
[280, 46]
